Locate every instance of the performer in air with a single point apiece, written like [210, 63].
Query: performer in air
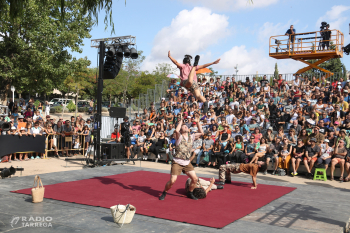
[189, 78]
[182, 158]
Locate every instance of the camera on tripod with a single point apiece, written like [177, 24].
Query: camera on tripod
[278, 41]
[323, 26]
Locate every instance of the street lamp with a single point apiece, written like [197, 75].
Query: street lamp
[13, 93]
[236, 68]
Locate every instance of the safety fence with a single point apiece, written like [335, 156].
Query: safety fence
[69, 144]
[155, 95]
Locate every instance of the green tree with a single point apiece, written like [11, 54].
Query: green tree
[275, 74]
[164, 69]
[80, 79]
[334, 65]
[34, 53]
[123, 84]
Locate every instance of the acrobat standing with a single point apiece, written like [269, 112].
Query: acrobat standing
[189, 78]
[182, 158]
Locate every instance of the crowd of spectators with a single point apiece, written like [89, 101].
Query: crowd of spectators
[63, 137]
[286, 123]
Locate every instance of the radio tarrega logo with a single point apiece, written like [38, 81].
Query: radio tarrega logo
[31, 221]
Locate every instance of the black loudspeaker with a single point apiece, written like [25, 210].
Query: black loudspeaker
[113, 150]
[117, 112]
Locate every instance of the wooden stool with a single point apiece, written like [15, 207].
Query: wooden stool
[320, 177]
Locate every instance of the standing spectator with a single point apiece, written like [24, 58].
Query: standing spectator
[47, 108]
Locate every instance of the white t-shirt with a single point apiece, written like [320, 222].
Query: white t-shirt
[35, 130]
[229, 119]
[183, 162]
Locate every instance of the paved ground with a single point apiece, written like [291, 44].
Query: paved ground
[312, 207]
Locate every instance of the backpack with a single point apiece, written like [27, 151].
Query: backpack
[281, 172]
[4, 159]
[206, 157]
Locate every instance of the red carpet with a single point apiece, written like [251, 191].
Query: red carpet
[142, 189]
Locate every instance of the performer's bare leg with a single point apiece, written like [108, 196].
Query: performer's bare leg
[196, 92]
[194, 180]
[170, 183]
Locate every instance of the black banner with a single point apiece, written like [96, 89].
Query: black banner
[13, 143]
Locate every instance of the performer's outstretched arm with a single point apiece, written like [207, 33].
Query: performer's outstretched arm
[173, 60]
[208, 64]
[200, 130]
[178, 127]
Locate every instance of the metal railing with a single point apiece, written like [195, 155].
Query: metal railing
[155, 96]
[71, 144]
[306, 43]
[288, 77]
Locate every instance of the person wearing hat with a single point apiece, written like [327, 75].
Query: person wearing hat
[253, 125]
[317, 135]
[339, 155]
[311, 154]
[21, 122]
[326, 154]
[270, 137]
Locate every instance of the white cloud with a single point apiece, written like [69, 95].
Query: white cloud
[251, 61]
[190, 32]
[230, 5]
[334, 17]
[270, 29]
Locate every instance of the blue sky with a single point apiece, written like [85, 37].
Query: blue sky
[234, 31]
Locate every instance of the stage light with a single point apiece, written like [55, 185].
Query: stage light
[6, 172]
[346, 49]
[126, 52]
[134, 54]
[120, 52]
[113, 63]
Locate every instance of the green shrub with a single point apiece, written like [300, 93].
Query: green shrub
[83, 109]
[71, 106]
[36, 103]
[56, 109]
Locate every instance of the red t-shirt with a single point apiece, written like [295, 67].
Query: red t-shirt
[115, 135]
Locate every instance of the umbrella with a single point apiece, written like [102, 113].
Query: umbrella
[203, 71]
[172, 76]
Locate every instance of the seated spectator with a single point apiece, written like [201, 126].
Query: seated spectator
[298, 154]
[325, 157]
[207, 148]
[311, 154]
[250, 150]
[339, 157]
[217, 154]
[262, 150]
[285, 152]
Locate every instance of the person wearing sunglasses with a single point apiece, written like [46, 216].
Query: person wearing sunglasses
[339, 157]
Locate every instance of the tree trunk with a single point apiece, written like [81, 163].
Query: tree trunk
[76, 103]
